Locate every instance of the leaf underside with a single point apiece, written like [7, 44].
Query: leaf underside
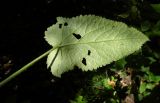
[89, 42]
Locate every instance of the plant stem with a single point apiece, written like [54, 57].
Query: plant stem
[25, 67]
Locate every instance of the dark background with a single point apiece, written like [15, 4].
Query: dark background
[22, 26]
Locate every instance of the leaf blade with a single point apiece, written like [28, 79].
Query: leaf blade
[106, 40]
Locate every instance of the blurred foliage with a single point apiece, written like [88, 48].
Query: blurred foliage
[156, 7]
[114, 85]
[79, 99]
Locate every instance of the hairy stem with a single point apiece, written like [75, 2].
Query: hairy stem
[25, 67]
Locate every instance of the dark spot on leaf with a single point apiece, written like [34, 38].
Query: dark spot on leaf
[65, 24]
[60, 25]
[89, 52]
[113, 26]
[77, 36]
[84, 61]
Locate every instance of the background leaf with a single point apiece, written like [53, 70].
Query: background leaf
[90, 42]
[156, 7]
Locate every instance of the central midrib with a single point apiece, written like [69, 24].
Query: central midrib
[75, 43]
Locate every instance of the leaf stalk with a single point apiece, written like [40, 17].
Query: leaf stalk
[24, 68]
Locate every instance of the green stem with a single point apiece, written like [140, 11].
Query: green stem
[25, 67]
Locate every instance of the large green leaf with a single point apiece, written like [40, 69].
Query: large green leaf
[89, 42]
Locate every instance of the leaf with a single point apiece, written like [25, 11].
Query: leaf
[156, 29]
[79, 99]
[120, 64]
[142, 87]
[156, 7]
[145, 26]
[89, 42]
